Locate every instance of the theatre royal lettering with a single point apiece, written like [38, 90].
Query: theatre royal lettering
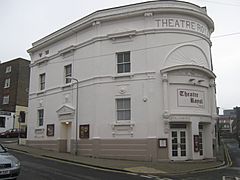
[175, 23]
[190, 98]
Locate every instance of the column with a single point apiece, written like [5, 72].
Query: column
[165, 103]
[195, 131]
[165, 96]
[208, 137]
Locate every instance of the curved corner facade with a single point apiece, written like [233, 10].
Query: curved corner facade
[142, 83]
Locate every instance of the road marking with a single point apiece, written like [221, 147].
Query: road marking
[145, 176]
[230, 178]
[229, 161]
[155, 177]
[13, 141]
[158, 178]
[234, 168]
[133, 174]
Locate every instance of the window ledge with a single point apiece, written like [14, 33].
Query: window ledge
[123, 75]
[41, 92]
[125, 123]
[68, 85]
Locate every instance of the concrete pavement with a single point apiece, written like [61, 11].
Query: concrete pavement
[139, 167]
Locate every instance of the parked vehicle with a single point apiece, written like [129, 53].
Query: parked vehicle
[9, 165]
[13, 133]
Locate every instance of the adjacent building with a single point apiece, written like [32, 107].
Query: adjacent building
[130, 82]
[14, 84]
[228, 123]
[236, 124]
[225, 125]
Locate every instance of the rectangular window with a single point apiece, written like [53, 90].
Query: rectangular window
[123, 62]
[123, 109]
[2, 122]
[5, 100]
[68, 73]
[42, 81]
[8, 69]
[7, 83]
[40, 117]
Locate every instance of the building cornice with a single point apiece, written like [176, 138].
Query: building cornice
[125, 12]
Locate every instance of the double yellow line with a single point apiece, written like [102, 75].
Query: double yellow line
[227, 155]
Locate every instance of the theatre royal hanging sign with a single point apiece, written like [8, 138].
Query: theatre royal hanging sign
[190, 98]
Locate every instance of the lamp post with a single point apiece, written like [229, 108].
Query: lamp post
[76, 137]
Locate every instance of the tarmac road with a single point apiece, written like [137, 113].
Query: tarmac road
[45, 169]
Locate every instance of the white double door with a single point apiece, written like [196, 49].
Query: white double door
[178, 144]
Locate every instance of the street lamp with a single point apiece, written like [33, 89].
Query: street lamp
[76, 138]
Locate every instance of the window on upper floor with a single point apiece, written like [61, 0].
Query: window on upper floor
[123, 109]
[5, 100]
[40, 117]
[22, 116]
[123, 62]
[67, 73]
[42, 81]
[8, 69]
[7, 83]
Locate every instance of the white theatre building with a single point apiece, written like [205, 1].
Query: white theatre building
[143, 86]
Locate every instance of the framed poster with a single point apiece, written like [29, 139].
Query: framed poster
[50, 129]
[84, 131]
[162, 143]
[196, 143]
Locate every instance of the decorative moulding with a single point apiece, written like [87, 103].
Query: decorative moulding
[126, 34]
[41, 61]
[65, 109]
[112, 14]
[96, 23]
[122, 128]
[148, 14]
[39, 132]
[69, 49]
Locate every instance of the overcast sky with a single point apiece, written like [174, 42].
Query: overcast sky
[23, 22]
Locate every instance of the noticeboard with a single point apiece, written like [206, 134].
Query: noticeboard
[84, 131]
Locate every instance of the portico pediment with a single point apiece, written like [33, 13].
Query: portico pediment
[65, 110]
